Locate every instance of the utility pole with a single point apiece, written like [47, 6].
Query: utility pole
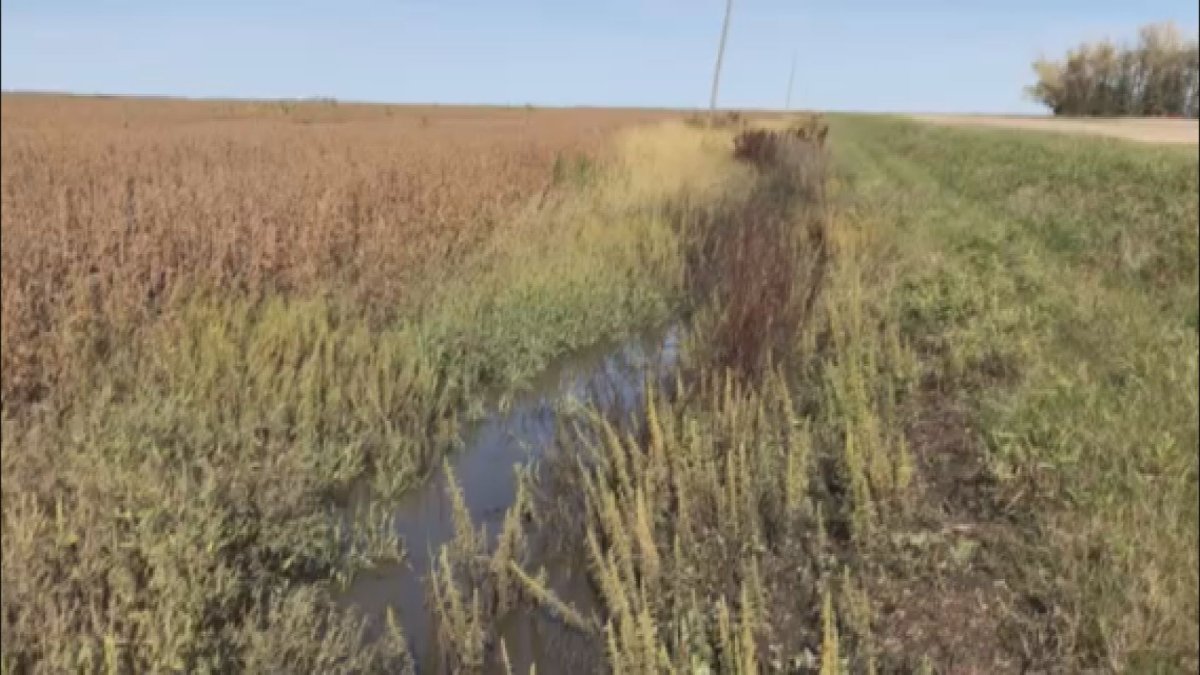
[712, 103]
[787, 106]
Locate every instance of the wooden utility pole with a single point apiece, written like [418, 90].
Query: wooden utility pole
[787, 105]
[712, 102]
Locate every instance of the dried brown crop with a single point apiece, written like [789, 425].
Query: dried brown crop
[113, 206]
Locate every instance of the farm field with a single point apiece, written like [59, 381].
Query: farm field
[1144, 129]
[926, 397]
[220, 318]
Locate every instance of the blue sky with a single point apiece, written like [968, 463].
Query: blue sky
[922, 55]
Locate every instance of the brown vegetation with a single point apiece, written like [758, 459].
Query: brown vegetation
[760, 262]
[726, 119]
[1141, 129]
[113, 207]
[219, 317]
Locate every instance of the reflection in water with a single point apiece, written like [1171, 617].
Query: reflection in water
[611, 378]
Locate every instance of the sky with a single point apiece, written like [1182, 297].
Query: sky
[966, 56]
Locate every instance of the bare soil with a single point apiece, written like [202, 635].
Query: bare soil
[1146, 130]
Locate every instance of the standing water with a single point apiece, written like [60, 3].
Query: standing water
[609, 377]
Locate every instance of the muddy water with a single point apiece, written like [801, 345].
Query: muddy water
[611, 377]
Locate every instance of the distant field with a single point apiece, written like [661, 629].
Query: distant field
[1147, 130]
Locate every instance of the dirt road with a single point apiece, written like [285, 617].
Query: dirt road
[1148, 130]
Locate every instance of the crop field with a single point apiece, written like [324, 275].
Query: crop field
[930, 403]
[132, 203]
[1145, 129]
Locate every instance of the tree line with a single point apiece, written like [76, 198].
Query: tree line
[1160, 75]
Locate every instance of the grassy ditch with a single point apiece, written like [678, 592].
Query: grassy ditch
[696, 495]
[937, 412]
[974, 452]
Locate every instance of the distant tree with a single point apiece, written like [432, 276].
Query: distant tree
[1160, 75]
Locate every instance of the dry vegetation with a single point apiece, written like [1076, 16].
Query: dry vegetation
[114, 210]
[1141, 129]
[218, 317]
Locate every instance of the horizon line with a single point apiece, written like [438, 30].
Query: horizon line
[319, 99]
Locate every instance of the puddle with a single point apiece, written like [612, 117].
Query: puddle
[611, 377]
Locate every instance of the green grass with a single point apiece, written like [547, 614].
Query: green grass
[1065, 271]
[979, 454]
